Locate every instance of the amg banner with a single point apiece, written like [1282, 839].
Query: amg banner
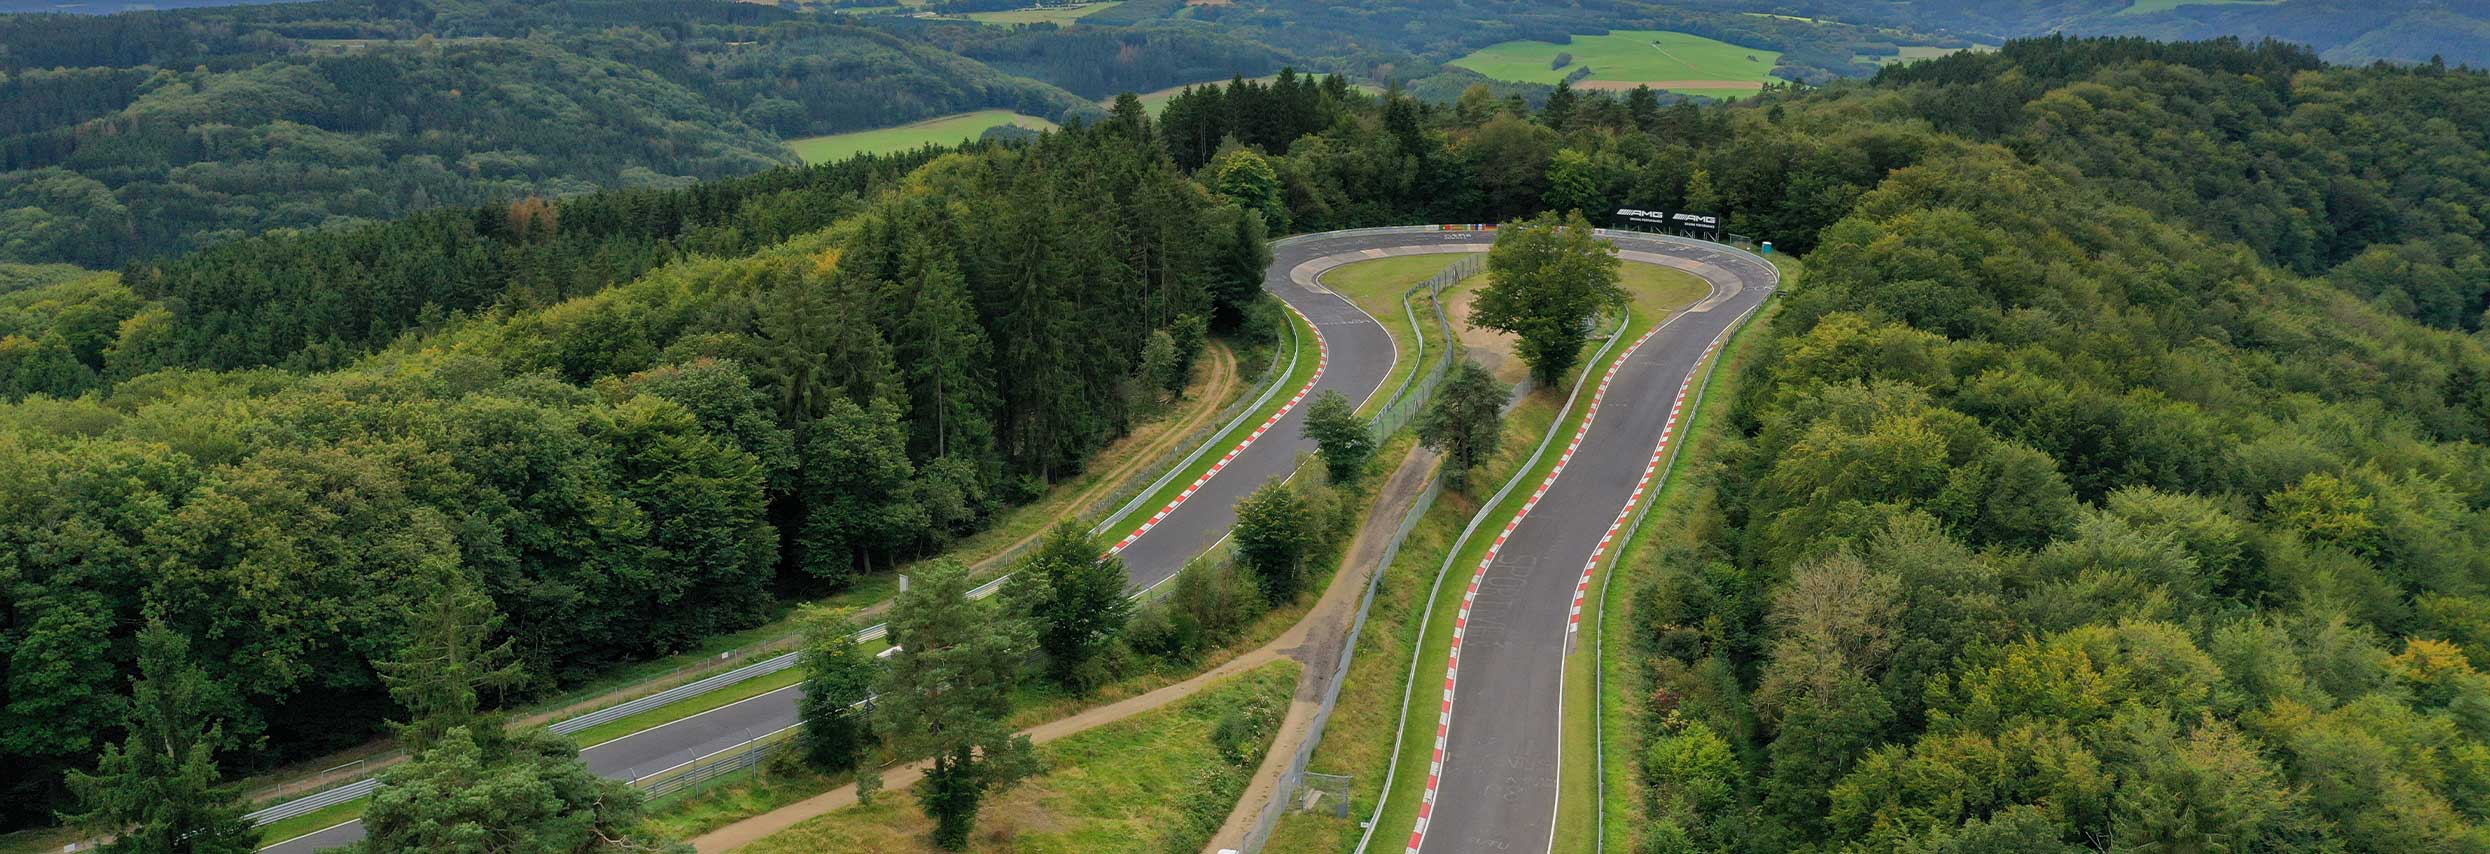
[1700, 224]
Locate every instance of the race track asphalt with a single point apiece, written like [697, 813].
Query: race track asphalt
[1498, 783]
[1361, 355]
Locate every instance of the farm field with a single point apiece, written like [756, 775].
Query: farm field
[942, 131]
[2147, 7]
[1677, 62]
[1912, 53]
[1063, 15]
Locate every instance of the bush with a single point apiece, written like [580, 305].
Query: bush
[1240, 734]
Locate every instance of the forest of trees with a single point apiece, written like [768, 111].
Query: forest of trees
[144, 135]
[2120, 453]
[621, 470]
[2084, 506]
[2345, 31]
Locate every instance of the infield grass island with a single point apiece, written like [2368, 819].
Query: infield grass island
[1358, 741]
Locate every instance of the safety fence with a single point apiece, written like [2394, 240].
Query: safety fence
[1284, 798]
[1414, 394]
[314, 802]
[1404, 407]
[749, 754]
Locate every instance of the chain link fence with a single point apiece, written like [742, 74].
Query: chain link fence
[691, 775]
[1298, 788]
[1413, 395]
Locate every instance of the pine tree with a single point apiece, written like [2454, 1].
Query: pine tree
[838, 679]
[1465, 420]
[471, 786]
[450, 657]
[1642, 107]
[949, 359]
[946, 693]
[1558, 113]
[1243, 260]
[158, 791]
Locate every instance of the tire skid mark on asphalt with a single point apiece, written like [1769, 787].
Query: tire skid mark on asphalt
[1461, 621]
[1322, 362]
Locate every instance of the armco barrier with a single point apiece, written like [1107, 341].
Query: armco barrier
[1392, 770]
[360, 788]
[342, 793]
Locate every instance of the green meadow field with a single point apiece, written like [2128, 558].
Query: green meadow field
[1063, 15]
[2147, 7]
[1677, 62]
[1913, 53]
[941, 131]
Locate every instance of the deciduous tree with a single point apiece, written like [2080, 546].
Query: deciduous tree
[1465, 421]
[1550, 278]
[1346, 441]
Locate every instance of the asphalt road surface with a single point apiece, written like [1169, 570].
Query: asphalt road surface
[1498, 786]
[1361, 355]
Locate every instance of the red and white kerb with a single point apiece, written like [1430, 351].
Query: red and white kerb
[1322, 360]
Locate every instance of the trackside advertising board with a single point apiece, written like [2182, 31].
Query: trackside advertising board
[1677, 222]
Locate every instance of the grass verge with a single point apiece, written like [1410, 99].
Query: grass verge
[1153, 782]
[687, 707]
[1358, 741]
[1377, 286]
[1581, 807]
[1118, 526]
[1674, 520]
[321, 819]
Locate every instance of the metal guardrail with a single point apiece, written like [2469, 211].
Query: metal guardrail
[1271, 389]
[1413, 395]
[345, 792]
[693, 689]
[314, 802]
[753, 751]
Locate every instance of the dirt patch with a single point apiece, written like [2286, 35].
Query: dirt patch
[1491, 349]
[1623, 85]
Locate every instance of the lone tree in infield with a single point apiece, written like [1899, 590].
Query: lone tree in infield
[1548, 278]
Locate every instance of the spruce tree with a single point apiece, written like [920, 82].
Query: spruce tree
[158, 790]
[946, 693]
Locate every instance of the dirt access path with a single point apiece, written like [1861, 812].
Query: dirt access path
[1216, 380]
[1317, 641]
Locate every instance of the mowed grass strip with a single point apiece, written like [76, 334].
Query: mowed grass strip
[947, 130]
[310, 822]
[1684, 493]
[1152, 782]
[1377, 286]
[1120, 526]
[1677, 62]
[1358, 741]
[693, 705]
